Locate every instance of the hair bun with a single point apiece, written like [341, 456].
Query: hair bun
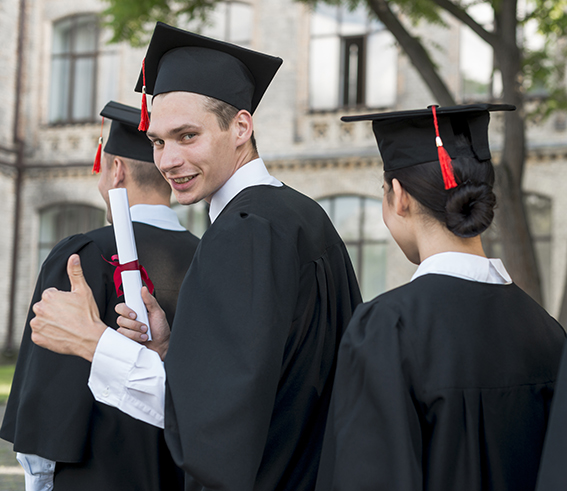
[469, 209]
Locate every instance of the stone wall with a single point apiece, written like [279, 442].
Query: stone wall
[312, 151]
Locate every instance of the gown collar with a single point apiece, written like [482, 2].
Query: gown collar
[465, 266]
[159, 216]
[254, 173]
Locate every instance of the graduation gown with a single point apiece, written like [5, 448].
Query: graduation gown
[553, 471]
[442, 384]
[51, 411]
[253, 348]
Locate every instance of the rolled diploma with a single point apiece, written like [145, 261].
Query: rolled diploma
[126, 247]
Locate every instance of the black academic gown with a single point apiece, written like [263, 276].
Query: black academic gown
[553, 467]
[442, 384]
[51, 411]
[253, 347]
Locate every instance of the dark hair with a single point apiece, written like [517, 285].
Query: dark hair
[225, 113]
[468, 209]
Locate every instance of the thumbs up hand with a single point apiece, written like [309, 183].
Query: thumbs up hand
[68, 322]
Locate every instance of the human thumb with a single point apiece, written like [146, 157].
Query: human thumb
[75, 273]
[149, 300]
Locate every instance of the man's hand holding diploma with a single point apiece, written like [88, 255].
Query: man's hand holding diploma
[69, 322]
[136, 331]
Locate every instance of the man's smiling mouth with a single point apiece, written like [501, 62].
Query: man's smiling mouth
[181, 180]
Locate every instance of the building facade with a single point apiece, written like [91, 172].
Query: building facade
[58, 71]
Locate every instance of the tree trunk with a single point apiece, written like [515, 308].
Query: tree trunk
[516, 239]
[415, 51]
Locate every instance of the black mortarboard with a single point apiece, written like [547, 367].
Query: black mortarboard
[179, 60]
[124, 139]
[407, 138]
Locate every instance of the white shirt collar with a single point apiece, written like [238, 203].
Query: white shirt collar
[465, 266]
[253, 173]
[160, 216]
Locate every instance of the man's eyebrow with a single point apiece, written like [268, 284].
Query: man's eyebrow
[174, 131]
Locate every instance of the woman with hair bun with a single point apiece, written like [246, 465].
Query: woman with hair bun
[444, 383]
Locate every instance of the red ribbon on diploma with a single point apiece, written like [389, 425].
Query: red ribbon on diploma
[131, 266]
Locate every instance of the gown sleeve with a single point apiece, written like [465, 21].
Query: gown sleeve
[373, 436]
[552, 474]
[225, 355]
[49, 407]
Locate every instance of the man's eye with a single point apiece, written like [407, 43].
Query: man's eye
[156, 143]
[188, 136]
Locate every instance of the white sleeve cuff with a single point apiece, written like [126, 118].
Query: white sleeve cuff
[130, 377]
[39, 471]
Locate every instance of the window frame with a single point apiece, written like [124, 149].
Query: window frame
[362, 240]
[44, 247]
[73, 58]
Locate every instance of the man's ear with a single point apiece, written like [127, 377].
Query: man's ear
[119, 170]
[243, 126]
[401, 199]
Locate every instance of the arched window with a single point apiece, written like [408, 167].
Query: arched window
[74, 54]
[59, 221]
[358, 220]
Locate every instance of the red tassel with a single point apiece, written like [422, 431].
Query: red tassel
[144, 117]
[444, 157]
[96, 165]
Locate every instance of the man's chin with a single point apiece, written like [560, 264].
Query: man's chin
[186, 198]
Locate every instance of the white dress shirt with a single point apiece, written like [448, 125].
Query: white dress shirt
[40, 471]
[254, 173]
[465, 266]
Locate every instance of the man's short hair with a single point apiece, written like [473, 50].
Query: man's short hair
[225, 113]
[144, 174]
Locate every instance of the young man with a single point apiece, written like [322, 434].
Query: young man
[263, 307]
[64, 437]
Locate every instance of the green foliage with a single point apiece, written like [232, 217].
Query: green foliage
[415, 10]
[134, 20]
[419, 10]
[544, 68]
[550, 16]
[6, 375]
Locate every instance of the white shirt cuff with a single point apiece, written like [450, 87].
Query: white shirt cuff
[39, 471]
[130, 377]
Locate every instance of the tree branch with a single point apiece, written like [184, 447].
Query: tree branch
[415, 51]
[461, 14]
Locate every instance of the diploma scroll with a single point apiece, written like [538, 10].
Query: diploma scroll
[127, 253]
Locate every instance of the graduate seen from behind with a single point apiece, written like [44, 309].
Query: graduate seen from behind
[251, 359]
[444, 383]
[65, 439]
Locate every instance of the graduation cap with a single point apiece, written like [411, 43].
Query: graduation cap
[179, 60]
[124, 139]
[407, 138]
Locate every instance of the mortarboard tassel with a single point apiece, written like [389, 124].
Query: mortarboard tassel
[96, 165]
[144, 117]
[444, 158]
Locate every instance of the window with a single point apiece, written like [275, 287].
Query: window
[479, 79]
[352, 61]
[359, 222]
[60, 221]
[194, 218]
[229, 21]
[74, 56]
